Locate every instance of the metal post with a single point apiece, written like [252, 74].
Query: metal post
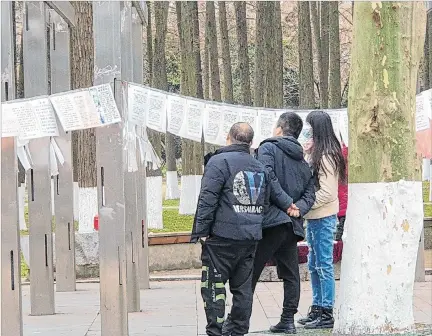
[420, 275]
[138, 21]
[11, 317]
[107, 19]
[130, 173]
[39, 177]
[63, 182]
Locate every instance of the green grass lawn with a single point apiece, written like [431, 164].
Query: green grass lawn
[174, 222]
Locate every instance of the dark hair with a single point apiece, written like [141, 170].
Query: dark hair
[326, 143]
[241, 133]
[291, 124]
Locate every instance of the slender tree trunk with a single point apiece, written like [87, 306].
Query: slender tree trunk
[160, 77]
[213, 50]
[187, 14]
[206, 65]
[334, 56]
[183, 79]
[315, 10]
[274, 58]
[228, 92]
[82, 46]
[242, 41]
[260, 52]
[198, 92]
[306, 86]
[149, 46]
[324, 46]
[380, 249]
[84, 141]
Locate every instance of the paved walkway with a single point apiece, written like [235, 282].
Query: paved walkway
[175, 308]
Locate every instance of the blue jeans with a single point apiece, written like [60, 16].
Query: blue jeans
[319, 235]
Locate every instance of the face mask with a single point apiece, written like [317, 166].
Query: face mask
[306, 137]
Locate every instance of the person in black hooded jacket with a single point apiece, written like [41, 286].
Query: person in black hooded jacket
[283, 156]
[235, 194]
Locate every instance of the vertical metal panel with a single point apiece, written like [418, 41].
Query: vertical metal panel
[63, 183]
[39, 177]
[110, 163]
[132, 252]
[137, 54]
[11, 316]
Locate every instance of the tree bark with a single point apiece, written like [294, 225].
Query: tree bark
[380, 249]
[334, 56]
[274, 58]
[82, 46]
[160, 81]
[306, 85]
[149, 33]
[213, 50]
[324, 46]
[260, 52]
[206, 65]
[429, 42]
[242, 41]
[228, 92]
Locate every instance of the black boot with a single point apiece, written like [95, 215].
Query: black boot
[324, 321]
[286, 325]
[313, 314]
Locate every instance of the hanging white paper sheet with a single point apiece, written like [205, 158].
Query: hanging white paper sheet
[137, 104]
[87, 108]
[266, 124]
[156, 112]
[250, 116]
[344, 126]
[23, 158]
[35, 118]
[57, 151]
[193, 123]
[176, 112]
[10, 126]
[53, 161]
[231, 115]
[422, 110]
[213, 124]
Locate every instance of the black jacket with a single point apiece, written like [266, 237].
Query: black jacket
[284, 157]
[235, 193]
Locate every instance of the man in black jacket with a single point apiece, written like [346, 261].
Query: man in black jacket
[283, 156]
[235, 194]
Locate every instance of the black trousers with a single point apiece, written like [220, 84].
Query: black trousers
[280, 243]
[226, 260]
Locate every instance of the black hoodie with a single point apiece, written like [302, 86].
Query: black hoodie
[283, 156]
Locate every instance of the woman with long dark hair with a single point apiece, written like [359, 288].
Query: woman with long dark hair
[324, 154]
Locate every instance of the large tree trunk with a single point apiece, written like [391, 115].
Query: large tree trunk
[429, 42]
[228, 92]
[243, 55]
[380, 249]
[334, 56]
[324, 46]
[260, 52]
[306, 85]
[84, 141]
[274, 58]
[213, 50]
